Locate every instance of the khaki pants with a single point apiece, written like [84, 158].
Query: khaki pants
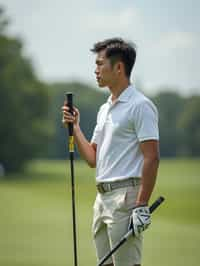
[112, 212]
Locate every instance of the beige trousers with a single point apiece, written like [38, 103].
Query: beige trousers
[112, 212]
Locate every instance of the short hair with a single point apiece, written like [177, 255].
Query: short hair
[118, 50]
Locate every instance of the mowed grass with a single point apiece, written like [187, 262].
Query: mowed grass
[36, 220]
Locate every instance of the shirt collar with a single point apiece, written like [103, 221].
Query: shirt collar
[124, 96]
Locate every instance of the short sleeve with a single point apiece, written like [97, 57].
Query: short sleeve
[96, 133]
[146, 121]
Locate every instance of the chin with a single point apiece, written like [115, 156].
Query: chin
[101, 85]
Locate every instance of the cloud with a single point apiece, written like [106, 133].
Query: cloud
[175, 56]
[178, 40]
[115, 20]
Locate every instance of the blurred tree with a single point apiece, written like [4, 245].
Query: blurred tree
[23, 104]
[170, 106]
[188, 125]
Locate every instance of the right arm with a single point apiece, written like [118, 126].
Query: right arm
[86, 149]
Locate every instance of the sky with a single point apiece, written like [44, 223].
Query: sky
[58, 35]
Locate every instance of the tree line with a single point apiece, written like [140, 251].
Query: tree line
[30, 111]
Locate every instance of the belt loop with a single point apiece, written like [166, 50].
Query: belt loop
[109, 187]
[135, 181]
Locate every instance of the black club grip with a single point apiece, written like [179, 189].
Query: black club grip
[156, 204]
[69, 99]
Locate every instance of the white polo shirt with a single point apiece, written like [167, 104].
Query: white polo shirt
[120, 128]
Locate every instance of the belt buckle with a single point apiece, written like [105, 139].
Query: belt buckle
[135, 182]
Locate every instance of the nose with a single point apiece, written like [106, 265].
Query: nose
[96, 71]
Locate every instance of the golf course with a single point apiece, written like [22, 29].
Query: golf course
[36, 219]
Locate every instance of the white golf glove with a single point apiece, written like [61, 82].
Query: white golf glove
[140, 219]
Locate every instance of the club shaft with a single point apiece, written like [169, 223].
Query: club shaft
[121, 242]
[73, 208]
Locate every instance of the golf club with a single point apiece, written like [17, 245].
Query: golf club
[69, 99]
[130, 232]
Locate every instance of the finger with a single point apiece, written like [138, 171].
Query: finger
[66, 108]
[76, 111]
[67, 113]
[68, 116]
[68, 119]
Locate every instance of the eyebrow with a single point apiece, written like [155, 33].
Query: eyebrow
[99, 60]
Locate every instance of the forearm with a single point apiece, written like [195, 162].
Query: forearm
[86, 150]
[149, 173]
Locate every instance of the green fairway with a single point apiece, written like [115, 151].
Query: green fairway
[36, 221]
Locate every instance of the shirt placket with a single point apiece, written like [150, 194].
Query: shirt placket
[110, 108]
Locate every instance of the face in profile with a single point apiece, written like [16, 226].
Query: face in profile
[104, 70]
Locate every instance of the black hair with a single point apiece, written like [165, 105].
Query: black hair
[118, 50]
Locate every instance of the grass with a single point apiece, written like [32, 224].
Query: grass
[36, 223]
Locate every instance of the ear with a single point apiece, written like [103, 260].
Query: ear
[119, 67]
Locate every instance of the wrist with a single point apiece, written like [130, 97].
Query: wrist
[76, 127]
[141, 203]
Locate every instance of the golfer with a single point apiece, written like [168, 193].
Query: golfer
[125, 151]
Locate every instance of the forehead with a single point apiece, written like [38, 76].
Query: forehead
[101, 56]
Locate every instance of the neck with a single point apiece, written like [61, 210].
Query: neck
[118, 88]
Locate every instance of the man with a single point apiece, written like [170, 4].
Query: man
[125, 151]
